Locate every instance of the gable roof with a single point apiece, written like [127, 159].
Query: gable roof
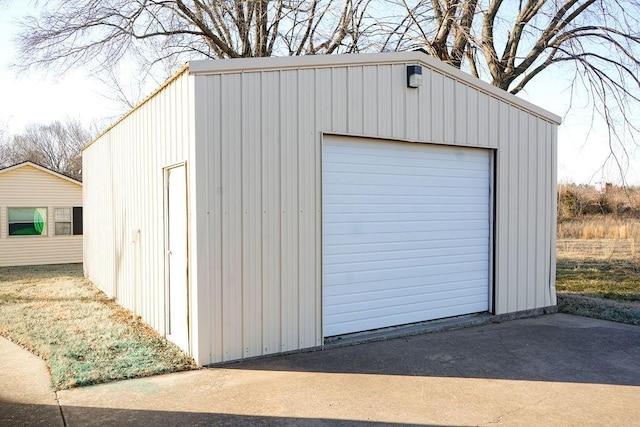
[420, 56]
[40, 168]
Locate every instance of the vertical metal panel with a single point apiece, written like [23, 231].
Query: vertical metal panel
[471, 126]
[339, 91]
[208, 165]
[522, 194]
[289, 220]
[503, 172]
[436, 107]
[532, 175]
[552, 185]
[232, 174]
[385, 105]
[461, 121]
[370, 101]
[425, 101]
[271, 203]
[398, 101]
[355, 103]
[251, 215]
[540, 211]
[513, 201]
[308, 167]
[448, 109]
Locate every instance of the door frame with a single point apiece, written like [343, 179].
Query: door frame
[165, 223]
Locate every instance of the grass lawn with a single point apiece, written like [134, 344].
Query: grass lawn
[606, 289]
[84, 337]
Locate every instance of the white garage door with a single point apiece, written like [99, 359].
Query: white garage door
[406, 233]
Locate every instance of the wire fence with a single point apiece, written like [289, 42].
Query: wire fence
[597, 248]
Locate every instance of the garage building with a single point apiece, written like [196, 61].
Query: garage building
[258, 206]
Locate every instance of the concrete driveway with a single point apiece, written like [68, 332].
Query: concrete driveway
[552, 370]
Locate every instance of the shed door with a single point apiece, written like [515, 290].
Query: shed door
[177, 273]
[406, 233]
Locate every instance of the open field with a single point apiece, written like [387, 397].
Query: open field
[599, 228]
[84, 337]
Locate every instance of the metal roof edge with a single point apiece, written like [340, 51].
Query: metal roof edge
[166, 83]
[235, 65]
[41, 168]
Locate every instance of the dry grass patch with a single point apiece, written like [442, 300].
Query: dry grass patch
[600, 288]
[84, 337]
[599, 227]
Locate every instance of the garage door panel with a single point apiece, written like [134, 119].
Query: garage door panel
[370, 156]
[424, 173]
[449, 179]
[391, 247]
[405, 233]
[358, 256]
[364, 277]
[402, 208]
[401, 306]
[446, 198]
[403, 263]
[411, 192]
[437, 228]
[339, 239]
[413, 288]
[361, 321]
[447, 280]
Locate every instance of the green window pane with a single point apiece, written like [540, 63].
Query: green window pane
[27, 221]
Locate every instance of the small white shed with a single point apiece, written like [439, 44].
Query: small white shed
[40, 216]
[257, 206]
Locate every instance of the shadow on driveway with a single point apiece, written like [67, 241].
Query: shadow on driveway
[557, 347]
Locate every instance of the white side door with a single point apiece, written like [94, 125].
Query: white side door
[177, 305]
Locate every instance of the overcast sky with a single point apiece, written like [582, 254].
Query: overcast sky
[37, 98]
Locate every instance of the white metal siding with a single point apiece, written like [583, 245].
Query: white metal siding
[405, 233]
[260, 257]
[27, 186]
[251, 130]
[123, 184]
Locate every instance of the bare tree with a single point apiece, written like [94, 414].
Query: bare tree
[56, 146]
[71, 32]
[511, 43]
[508, 43]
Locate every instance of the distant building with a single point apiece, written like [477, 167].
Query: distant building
[602, 187]
[40, 216]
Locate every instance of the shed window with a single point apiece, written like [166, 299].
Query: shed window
[27, 221]
[68, 221]
[77, 220]
[63, 221]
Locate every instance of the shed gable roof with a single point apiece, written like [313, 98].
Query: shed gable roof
[235, 65]
[42, 169]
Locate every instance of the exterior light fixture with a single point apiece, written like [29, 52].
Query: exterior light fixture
[414, 76]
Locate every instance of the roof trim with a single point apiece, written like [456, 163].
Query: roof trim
[40, 168]
[167, 82]
[212, 66]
